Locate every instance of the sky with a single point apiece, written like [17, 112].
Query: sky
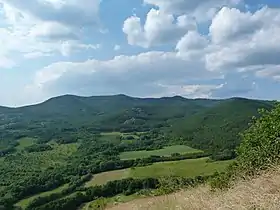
[141, 48]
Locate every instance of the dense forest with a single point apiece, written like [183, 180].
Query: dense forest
[69, 144]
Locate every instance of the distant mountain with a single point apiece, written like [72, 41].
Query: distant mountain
[203, 123]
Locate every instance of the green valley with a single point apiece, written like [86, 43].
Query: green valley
[71, 150]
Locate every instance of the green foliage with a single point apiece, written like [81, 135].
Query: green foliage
[86, 135]
[38, 148]
[184, 168]
[217, 128]
[167, 151]
[260, 147]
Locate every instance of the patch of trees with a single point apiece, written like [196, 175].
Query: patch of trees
[73, 186]
[38, 148]
[7, 151]
[110, 189]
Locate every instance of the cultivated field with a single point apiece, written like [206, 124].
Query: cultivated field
[25, 142]
[167, 151]
[103, 178]
[186, 168]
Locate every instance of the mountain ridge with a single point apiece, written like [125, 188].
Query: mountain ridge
[178, 97]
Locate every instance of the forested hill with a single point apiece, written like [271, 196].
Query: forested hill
[203, 123]
[123, 113]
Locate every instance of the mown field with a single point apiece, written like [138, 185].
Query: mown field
[186, 168]
[167, 151]
[103, 178]
[25, 142]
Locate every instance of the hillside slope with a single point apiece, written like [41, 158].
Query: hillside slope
[203, 123]
[218, 127]
[258, 193]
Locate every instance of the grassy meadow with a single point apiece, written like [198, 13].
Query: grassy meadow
[186, 168]
[167, 151]
[103, 178]
[25, 142]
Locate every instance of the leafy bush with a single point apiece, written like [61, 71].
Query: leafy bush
[260, 147]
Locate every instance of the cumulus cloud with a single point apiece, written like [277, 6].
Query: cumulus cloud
[201, 65]
[151, 73]
[201, 10]
[159, 28]
[171, 20]
[72, 12]
[192, 42]
[214, 64]
[243, 45]
[42, 27]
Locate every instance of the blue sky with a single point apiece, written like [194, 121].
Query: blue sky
[143, 48]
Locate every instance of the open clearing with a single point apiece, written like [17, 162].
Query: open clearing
[25, 142]
[103, 178]
[167, 151]
[186, 168]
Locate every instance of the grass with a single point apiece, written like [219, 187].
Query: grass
[110, 137]
[23, 203]
[261, 192]
[103, 178]
[104, 203]
[167, 151]
[25, 142]
[186, 168]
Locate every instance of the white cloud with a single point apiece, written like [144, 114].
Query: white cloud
[269, 71]
[190, 91]
[201, 10]
[68, 47]
[52, 31]
[42, 27]
[38, 54]
[192, 41]
[71, 13]
[232, 24]
[117, 47]
[189, 71]
[171, 20]
[159, 28]
[250, 43]
[152, 73]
